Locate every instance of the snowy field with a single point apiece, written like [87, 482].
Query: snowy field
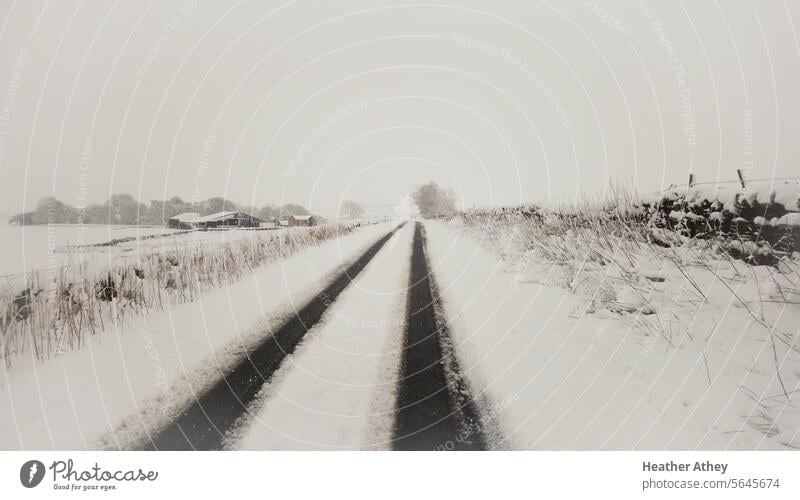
[49, 247]
[27, 248]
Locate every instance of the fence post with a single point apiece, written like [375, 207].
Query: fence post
[741, 177]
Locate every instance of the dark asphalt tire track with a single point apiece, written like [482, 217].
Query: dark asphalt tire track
[433, 411]
[203, 425]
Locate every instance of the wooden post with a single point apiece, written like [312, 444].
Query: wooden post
[741, 177]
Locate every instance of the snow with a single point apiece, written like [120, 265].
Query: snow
[83, 249]
[26, 248]
[790, 219]
[123, 382]
[214, 216]
[666, 370]
[786, 193]
[673, 348]
[338, 389]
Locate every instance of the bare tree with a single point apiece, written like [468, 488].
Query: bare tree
[433, 200]
[350, 209]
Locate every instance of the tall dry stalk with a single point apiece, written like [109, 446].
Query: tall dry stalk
[47, 317]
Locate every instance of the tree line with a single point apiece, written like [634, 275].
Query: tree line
[125, 209]
[431, 200]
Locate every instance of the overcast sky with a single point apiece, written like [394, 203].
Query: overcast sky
[317, 101]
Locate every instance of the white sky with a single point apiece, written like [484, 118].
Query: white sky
[201, 99]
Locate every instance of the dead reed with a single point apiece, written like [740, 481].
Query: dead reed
[53, 314]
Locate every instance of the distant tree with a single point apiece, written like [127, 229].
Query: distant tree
[158, 211]
[350, 209]
[154, 213]
[172, 207]
[51, 211]
[433, 201]
[95, 214]
[23, 219]
[124, 209]
[217, 204]
[267, 212]
[175, 206]
[292, 209]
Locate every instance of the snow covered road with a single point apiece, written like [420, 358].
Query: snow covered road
[337, 390]
[366, 364]
[206, 422]
[435, 409]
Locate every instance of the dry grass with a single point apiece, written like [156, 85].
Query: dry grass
[51, 316]
[617, 230]
[626, 261]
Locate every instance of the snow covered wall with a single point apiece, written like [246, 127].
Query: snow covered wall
[763, 219]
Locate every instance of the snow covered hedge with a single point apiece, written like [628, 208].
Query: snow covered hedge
[760, 224]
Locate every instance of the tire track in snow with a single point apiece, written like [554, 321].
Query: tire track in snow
[338, 389]
[203, 425]
[434, 409]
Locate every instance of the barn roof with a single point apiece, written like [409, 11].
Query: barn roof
[225, 215]
[187, 216]
[301, 217]
[216, 216]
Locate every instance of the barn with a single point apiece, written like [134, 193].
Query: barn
[227, 219]
[302, 220]
[182, 221]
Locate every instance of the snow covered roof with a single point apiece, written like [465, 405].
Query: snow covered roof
[185, 217]
[301, 217]
[218, 215]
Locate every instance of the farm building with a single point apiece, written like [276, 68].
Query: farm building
[182, 221]
[301, 220]
[227, 219]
